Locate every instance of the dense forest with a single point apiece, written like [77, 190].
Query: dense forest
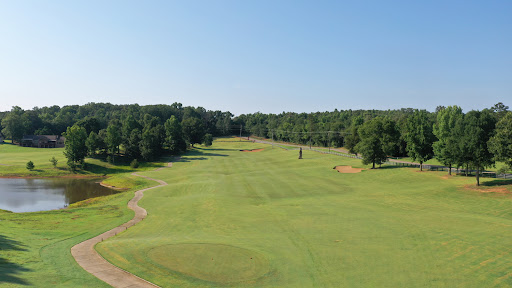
[474, 139]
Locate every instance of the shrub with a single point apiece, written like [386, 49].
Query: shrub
[208, 140]
[504, 170]
[109, 159]
[134, 163]
[30, 165]
[54, 162]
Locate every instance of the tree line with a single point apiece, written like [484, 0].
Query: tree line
[140, 132]
[476, 139]
[473, 140]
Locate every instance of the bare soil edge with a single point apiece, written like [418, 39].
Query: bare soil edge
[348, 169]
[91, 261]
[113, 187]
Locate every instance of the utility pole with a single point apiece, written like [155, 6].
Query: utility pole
[272, 139]
[328, 142]
[310, 141]
[240, 132]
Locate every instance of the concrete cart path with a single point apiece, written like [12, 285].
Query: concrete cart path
[92, 262]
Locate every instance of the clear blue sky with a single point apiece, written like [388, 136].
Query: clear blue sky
[249, 56]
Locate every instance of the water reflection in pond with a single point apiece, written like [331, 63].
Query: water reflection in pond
[29, 195]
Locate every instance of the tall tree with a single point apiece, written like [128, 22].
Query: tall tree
[129, 124]
[75, 149]
[151, 142]
[102, 134]
[446, 148]
[500, 109]
[193, 130]
[420, 137]
[93, 143]
[463, 157]
[132, 146]
[174, 135]
[501, 143]
[91, 124]
[479, 129]
[353, 138]
[113, 139]
[390, 137]
[15, 124]
[371, 145]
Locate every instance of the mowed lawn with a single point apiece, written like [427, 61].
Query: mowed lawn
[267, 219]
[35, 247]
[13, 162]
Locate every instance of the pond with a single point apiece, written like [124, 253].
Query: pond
[30, 195]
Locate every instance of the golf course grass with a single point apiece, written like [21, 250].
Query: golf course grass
[35, 247]
[13, 161]
[267, 219]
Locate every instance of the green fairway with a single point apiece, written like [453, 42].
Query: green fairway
[267, 219]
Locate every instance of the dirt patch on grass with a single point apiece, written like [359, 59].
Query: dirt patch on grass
[348, 169]
[253, 150]
[113, 187]
[446, 177]
[501, 190]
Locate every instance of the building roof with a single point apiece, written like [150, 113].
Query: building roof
[37, 137]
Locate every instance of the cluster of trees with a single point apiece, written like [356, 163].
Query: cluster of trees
[144, 139]
[139, 132]
[55, 120]
[474, 140]
[334, 129]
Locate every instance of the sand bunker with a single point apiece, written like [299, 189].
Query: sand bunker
[348, 169]
[254, 150]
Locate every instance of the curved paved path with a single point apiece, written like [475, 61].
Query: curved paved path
[92, 262]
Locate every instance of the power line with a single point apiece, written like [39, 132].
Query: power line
[237, 128]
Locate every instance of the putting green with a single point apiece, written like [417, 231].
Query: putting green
[211, 262]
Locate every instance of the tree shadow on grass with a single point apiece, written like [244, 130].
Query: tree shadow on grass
[386, 167]
[216, 149]
[198, 155]
[9, 272]
[497, 182]
[98, 169]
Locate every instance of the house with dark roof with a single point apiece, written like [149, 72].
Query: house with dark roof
[43, 141]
